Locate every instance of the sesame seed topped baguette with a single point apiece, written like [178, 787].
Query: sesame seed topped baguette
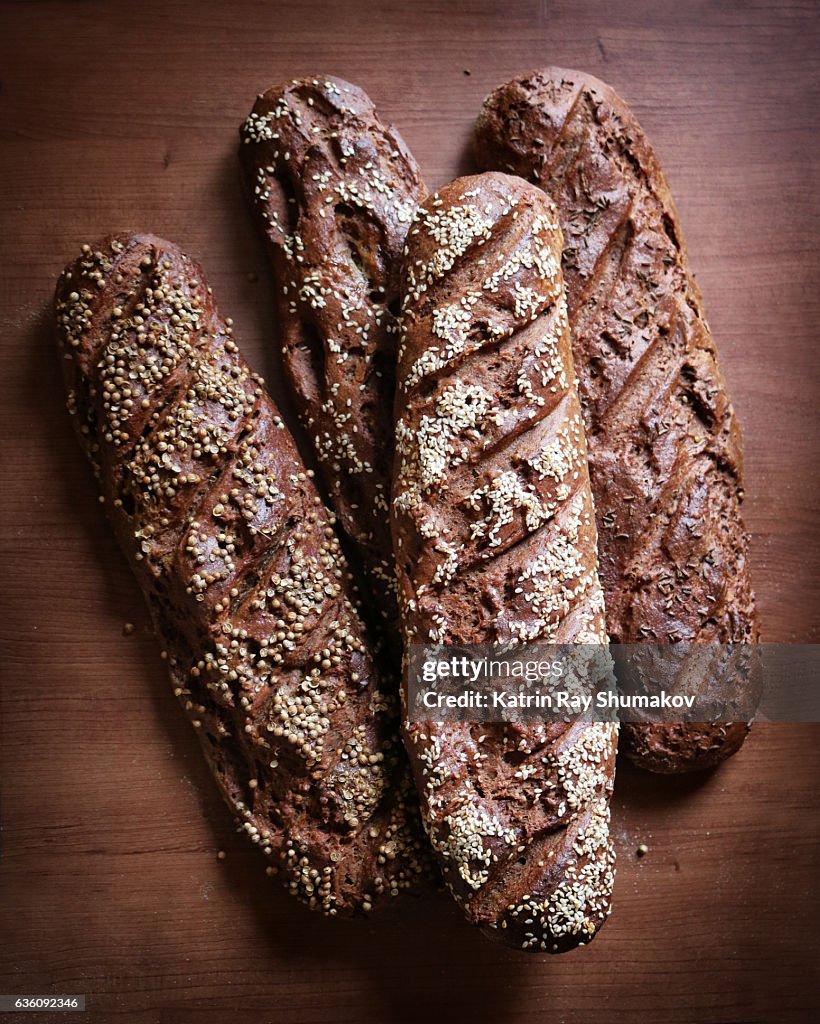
[664, 445]
[495, 541]
[334, 190]
[239, 563]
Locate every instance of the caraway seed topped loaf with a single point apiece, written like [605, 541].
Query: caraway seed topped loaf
[239, 563]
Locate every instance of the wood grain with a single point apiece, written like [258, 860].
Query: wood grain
[125, 116]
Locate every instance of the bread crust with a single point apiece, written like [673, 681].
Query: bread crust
[242, 571]
[665, 448]
[333, 190]
[495, 541]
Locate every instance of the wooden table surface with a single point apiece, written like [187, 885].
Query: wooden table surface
[125, 116]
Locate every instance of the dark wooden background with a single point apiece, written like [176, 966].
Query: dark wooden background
[116, 115]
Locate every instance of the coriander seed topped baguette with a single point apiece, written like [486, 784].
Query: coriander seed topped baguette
[333, 190]
[665, 450]
[239, 563]
[495, 541]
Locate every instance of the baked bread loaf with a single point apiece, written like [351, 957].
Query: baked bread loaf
[333, 190]
[495, 541]
[665, 452]
[239, 563]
